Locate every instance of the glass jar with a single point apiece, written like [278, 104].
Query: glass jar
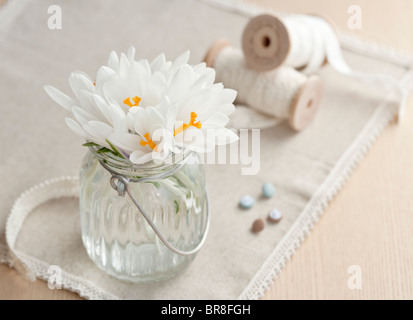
[114, 232]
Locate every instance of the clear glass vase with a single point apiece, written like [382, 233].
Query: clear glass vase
[114, 232]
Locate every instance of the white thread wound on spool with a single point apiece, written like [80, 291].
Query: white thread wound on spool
[271, 92]
[300, 41]
[313, 40]
[336, 59]
[305, 48]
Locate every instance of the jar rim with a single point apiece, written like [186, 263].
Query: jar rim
[128, 168]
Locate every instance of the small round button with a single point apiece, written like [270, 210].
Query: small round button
[268, 190]
[247, 202]
[275, 216]
[258, 226]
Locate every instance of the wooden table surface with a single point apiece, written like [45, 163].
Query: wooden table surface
[369, 224]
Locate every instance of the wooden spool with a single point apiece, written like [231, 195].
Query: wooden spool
[266, 42]
[306, 102]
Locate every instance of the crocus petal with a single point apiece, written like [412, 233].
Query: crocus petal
[182, 59]
[140, 121]
[81, 115]
[140, 157]
[75, 127]
[145, 64]
[200, 67]
[198, 141]
[59, 97]
[112, 112]
[205, 79]
[113, 61]
[170, 117]
[98, 129]
[158, 63]
[155, 90]
[86, 100]
[227, 109]
[126, 141]
[228, 95]
[131, 54]
[225, 136]
[124, 65]
[103, 74]
[120, 122]
[80, 81]
[178, 87]
[217, 120]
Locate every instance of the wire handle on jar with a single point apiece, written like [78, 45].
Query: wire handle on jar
[122, 185]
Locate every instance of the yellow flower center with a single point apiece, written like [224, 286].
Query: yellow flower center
[148, 142]
[191, 123]
[136, 101]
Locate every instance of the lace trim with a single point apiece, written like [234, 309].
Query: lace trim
[32, 267]
[82, 287]
[4, 256]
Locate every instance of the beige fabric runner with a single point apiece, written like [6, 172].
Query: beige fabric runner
[308, 169]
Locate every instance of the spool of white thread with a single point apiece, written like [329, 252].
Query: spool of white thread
[299, 41]
[283, 93]
[306, 43]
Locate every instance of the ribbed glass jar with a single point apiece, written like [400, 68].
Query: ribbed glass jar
[115, 234]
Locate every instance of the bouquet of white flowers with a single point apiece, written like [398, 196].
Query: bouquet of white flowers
[142, 111]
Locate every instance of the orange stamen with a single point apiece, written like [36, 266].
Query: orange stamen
[191, 123]
[136, 101]
[148, 142]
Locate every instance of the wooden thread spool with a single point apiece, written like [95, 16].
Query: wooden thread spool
[269, 41]
[298, 96]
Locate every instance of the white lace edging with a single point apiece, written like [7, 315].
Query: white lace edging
[4, 255]
[82, 287]
[32, 267]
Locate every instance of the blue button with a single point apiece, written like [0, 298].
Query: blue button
[268, 190]
[247, 202]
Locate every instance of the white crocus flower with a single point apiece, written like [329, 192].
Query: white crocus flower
[202, 105]
[152, 135]
[95, 119]
[146, 110]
